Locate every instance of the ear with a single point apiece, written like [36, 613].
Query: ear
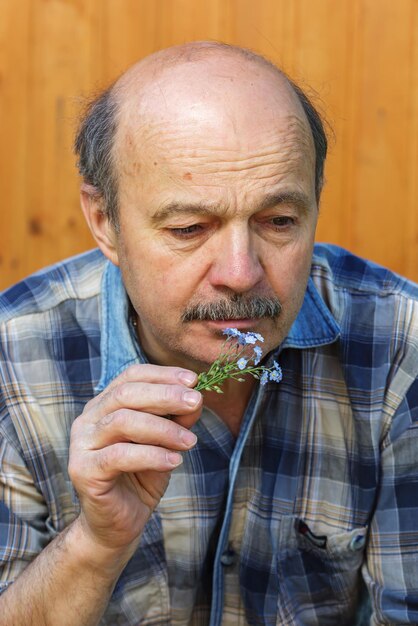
[99, 223]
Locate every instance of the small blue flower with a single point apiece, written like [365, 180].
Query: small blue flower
[242, 363]
[250, 338]
[276, 375]
[264, 378]
[257, 355]
[232, 332]
[276, 366]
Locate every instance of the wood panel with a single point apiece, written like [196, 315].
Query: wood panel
[360, 58]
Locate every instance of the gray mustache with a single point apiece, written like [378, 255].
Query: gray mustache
[237, 307]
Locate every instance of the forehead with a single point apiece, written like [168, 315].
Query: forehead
[201, 121]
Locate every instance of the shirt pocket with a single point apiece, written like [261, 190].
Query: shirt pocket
[319, 573]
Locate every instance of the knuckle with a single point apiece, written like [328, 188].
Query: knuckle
[164, 430]
[79, 423]
[117, 419]
[78, 428]
[72, 470]
[89, 404]
[131, 372]
[75, 469]
[75, 428]
[121, 394]
[170, 394]
[106, 459]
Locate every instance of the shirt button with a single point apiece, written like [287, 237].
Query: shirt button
[228, 558]
[357, 542]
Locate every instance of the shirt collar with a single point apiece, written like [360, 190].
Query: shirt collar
[118, 344]
[314, 326]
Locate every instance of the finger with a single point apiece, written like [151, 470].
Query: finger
[131, 458]
[188, 420]
[125, 425]
[158, 399]
[149, 373]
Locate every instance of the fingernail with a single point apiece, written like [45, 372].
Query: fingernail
[187, 378]
[192, 398]
[188, 437]
[174, 458]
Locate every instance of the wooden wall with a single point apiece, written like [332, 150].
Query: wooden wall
[360, 56]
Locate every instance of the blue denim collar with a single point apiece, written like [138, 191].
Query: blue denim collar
[313, 327]
[118, 344]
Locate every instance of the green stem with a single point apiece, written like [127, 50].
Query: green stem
[223, 375]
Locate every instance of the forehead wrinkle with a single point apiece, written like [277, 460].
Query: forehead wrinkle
[289, 128]
[293, 144]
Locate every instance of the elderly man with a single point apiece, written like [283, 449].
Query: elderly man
[127, 498]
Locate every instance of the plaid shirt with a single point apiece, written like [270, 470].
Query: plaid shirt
[318, 493]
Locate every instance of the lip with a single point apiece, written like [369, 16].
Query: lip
[241, 324]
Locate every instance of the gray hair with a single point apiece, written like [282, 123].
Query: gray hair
[94, 145]
[95, 137]
[236, 307]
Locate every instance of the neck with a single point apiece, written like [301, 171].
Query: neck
[230, 406]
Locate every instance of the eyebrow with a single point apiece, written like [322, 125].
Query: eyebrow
[296, 198]
[176, 208]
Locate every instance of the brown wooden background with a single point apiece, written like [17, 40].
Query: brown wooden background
[361, 56]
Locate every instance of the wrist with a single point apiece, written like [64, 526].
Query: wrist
[105, 560]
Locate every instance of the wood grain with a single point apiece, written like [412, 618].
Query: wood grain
[358, 57]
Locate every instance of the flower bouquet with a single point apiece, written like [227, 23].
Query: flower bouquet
[234, 362]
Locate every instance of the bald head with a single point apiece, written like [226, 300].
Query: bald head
[202, 87]
[202, 54]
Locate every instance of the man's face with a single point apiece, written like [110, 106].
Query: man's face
[216, 204]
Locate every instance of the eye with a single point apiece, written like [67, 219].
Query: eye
[282, 221]
[186, 231]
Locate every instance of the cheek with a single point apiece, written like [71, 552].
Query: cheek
[289, 273]
[178, 274]
[165, 280]
[170, 288]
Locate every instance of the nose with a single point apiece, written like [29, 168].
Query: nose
[236, 263]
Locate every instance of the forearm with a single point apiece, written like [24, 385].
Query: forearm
[69, 583]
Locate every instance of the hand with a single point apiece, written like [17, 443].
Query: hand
[122, 449]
